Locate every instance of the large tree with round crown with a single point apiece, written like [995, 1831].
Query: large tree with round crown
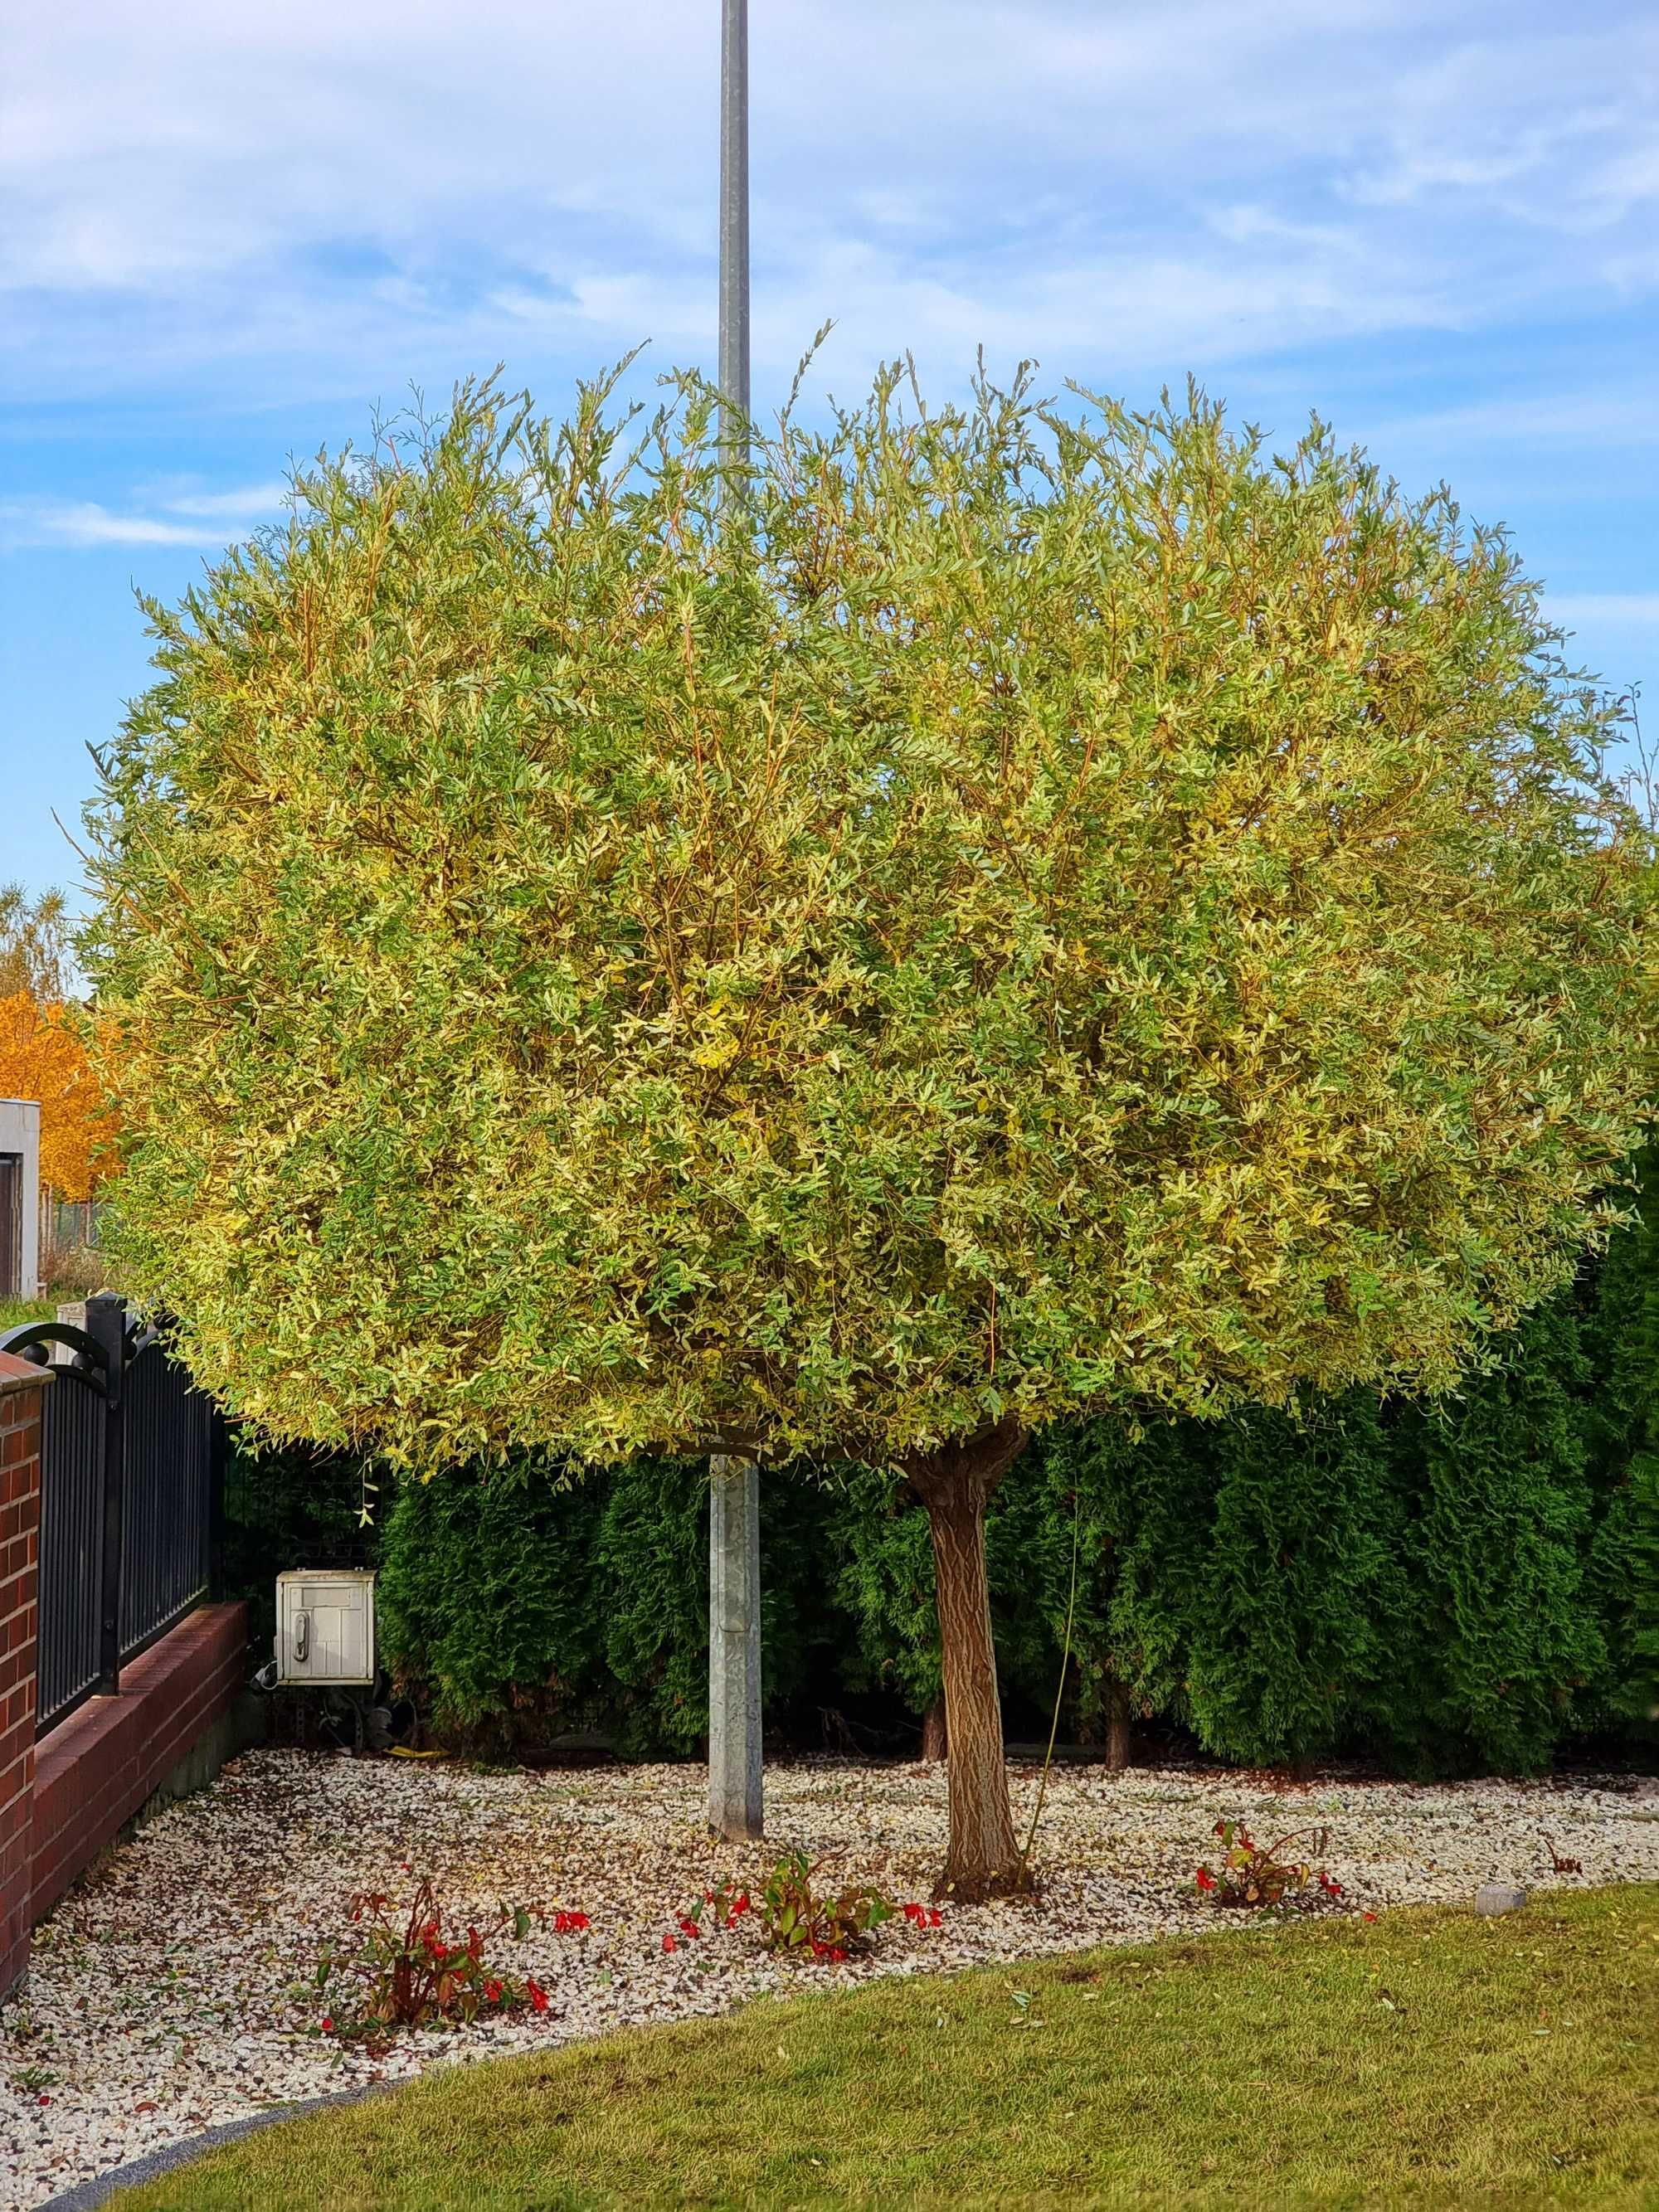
[1061, 908]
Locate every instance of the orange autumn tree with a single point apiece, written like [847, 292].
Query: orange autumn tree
[42, 1057]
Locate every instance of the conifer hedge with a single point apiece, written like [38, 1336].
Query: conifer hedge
[1440, 1589]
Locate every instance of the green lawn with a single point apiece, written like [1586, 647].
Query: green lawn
[1431, 2058]
[14, 1312]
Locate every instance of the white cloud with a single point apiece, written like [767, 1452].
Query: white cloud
[318, 192]
[1570, 421]
[250, 502]
[209, 520]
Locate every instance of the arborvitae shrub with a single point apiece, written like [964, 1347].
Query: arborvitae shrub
[489, 1597]
[1290, 1584]
[1498, 1640]
[1621, 1339]
[522, 1610]
[293, 1507]
[1442, 1588]
[883, 1586]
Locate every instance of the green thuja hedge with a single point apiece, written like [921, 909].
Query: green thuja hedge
[1442, 1588]
[527, 1607]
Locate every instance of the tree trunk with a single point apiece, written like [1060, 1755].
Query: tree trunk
[1117, 1726]
[935, 1743]
[954, 1485]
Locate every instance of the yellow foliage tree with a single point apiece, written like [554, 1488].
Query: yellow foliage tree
[41, 1056]
[1061, 911]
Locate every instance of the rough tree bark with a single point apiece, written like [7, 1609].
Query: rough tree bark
[955, 1484]
[935, 1742]
[1117, 1726]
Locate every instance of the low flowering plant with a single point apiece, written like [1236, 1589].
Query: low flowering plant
[721, 1908]
[792, 1918]
[797, 1921]
[407, 1973]
[1251, 1874]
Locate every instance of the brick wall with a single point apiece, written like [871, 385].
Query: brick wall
[22, 1387]
[63, 1801]
[95, 1770]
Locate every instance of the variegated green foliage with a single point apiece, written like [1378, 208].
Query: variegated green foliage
[1063, 907]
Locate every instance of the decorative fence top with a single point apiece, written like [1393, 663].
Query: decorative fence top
[132, 1480]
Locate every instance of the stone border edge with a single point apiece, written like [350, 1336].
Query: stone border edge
[87, 2196]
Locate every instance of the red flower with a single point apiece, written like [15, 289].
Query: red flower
[688, 1926]
[535, 1993]
[668, 1943]
[328, 2023]
[935, 1918]
[1368, 1916]
[916, 1914]
[1331, 1888]
[43, 2098]
[1204, 1878]
[493, 1992]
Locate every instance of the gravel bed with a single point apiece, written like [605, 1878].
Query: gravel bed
[164, 1993]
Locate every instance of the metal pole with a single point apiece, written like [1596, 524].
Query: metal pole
[734, 230]
[735, 1807]
[734, 1649]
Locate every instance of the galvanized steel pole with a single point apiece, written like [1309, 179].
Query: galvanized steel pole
[734, 1634]
[734, 1647]
[734, 227]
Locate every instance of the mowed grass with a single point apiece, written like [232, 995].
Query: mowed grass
[1431, 2058]
[14, 1312]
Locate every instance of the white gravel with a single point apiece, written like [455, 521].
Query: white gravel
[162, 1993]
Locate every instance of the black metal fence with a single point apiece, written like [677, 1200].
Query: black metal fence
[131, 1483]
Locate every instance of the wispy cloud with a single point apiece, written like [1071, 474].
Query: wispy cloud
[1575, 418]
[1436, 225]
[247, 502]
[203, 519]
[317, 190]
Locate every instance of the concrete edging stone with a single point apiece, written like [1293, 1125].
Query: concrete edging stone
[87, 2196]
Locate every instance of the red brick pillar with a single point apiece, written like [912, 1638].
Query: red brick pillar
[22, 1389]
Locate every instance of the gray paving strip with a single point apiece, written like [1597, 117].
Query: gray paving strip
[87, 2195]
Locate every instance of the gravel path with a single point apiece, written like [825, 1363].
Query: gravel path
[163, 1993]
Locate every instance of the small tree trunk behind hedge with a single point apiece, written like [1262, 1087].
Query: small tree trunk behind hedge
[1117, 1726]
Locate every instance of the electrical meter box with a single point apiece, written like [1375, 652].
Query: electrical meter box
[325, 1628]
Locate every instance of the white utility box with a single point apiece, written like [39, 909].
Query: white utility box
[325, 1627]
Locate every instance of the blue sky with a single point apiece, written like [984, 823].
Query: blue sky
[233, 233]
